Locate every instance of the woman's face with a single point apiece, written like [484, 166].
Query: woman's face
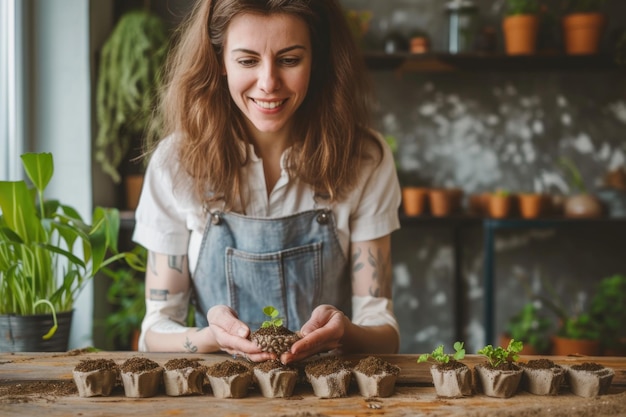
[267, 61]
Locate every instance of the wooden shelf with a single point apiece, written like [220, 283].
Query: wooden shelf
[443, 62]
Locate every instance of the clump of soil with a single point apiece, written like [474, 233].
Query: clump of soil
[540, 364]
[587, 366]
[270, 365]
[329, 377]
[226, 369]
[138, 364]
[183, 363]
[450, 366]
[375, 366]
[274, 339]
[89, 365]
[326, 366]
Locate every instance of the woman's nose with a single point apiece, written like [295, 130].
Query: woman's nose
[269, 80]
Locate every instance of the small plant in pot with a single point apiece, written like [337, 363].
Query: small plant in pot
[48, 253]
[531, 328]
[452, 378]
[272, 336]
[520, 26]
[580, 204]
[608, 311]
[500, 376]
[583, 23]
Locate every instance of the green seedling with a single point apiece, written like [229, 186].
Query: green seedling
[273, 314]
[498, 356]
[439, 356]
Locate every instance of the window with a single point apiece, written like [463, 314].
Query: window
[11, 89]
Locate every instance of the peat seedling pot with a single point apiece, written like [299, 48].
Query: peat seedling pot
[274, 379]
[375, 377]
[542, 377]
[498, 383]
[141, 377]
[329, 377]
[589, 379]
[452, 380]
[95, 377]
[229, 379]
[183, 377]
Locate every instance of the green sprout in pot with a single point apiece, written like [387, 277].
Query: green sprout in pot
[502, 357]
[522, 7]
[272, 336]
[272, 314]
[438, 356]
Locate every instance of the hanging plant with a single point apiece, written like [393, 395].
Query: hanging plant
[128, 82]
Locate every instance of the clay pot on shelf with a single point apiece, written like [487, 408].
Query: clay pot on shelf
[478, 204]
[95, 377]
[562, 346]
[329, 377]
[445, 201]
[498, 383]
[414, 200]
[582, 32]
[542, 377]
[530, 205]
[274, 379]
[375, 377]
[520, 34]
[582, 206]
[500, 205]
[229, 379]
[589, 379]
[183, 377]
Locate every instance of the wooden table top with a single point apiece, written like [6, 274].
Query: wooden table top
[414, 396]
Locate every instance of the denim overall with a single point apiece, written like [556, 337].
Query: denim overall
[293, 263]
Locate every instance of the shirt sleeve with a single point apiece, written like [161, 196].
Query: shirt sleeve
[376, 212]
[160, 218]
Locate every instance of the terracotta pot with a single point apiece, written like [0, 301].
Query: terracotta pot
[581, 32]
[520, 34]
[414, 200]
[442, 202]
[582, 206]
[530, 205]
[132, 190]
[499, 206]
[562, 347]
[477, 204]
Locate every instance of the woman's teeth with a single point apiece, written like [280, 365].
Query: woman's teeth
[269, 104]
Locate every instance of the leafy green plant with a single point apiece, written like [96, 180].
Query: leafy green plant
[272, 314]
[127, 294]
[575, 178]
[530, 327]
[502, 192]
[47, 252]
[440, 357]
[583, 6]
[498, 356]
[128, 82]
[516, 7]
[608, 310]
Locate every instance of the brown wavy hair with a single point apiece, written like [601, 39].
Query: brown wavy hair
[331, 125]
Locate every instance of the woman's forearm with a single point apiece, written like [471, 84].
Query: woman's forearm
[370, 339]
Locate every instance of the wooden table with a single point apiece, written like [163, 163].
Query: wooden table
[414, 396]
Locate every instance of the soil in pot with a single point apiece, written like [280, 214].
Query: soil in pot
[274, 379]
[141, 377]
[589, 379]
[183, 377]
[376, 377]
[229, 379]
[274, 339]
[500, 382]
[542, 377]
[329, 377]
[95, 377]
[452, 379]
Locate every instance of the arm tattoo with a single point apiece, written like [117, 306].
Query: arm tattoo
[158, 295]
[356, 264]
[176, 262]
[381, 267]
[190, 347]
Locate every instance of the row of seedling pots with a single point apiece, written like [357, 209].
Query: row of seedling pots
[502, 376]
[330, 377]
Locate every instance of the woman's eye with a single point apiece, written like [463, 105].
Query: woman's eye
[290, 62]
[247, 62]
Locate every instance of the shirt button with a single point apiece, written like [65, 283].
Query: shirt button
[322, 218]
[215, 218]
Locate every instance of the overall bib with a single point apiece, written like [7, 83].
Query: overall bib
[293, 263]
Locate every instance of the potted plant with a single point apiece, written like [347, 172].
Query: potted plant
[583, 22]
[127, 85]
[520, 26]
[530, 327]
[42, 269]
[608, 310]
[452, 378]
[499, 204]
[530, 204]
[272, 336]
[581, 204]
[127, 294]
[500, 377]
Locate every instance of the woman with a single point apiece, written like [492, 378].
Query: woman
[269, 188]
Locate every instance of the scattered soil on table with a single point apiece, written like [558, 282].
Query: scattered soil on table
[226, 369]
[540, 364]
[182, 363]
[274, 339]
[29, 391]
[326, 366]
[305, 414]
[88, 365]
[450, 366]
[588, 366]
[138, 364]
[372, 365]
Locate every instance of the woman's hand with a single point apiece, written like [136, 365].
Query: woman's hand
[323, 332]
[231, 334]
